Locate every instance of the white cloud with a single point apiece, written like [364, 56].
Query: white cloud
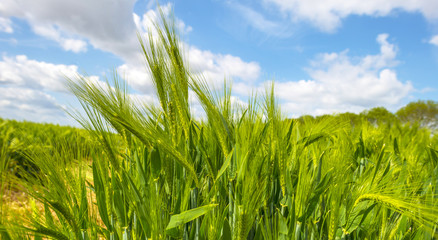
[27, 99]
[111, 26]
[19, 71]
[434, 40]
[328, 14]
[6, 25]
[340, 83]
[74, 45]
[29, 104]
[137, 77]
[108, 25]
[53, 33]
[260, 22]
[215, 67]
[146, 22]
[28, 88]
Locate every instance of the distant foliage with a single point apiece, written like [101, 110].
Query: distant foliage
[423, 112]
[379, 115]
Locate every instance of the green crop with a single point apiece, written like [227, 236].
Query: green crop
[242, 172]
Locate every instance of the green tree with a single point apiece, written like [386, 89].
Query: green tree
[423, 112]
[378, 115]
[354, 118]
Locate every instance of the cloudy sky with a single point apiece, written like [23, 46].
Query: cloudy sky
[325, 56]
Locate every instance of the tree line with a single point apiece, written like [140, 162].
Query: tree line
[423, 113]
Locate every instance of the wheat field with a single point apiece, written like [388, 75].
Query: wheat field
[240, 172]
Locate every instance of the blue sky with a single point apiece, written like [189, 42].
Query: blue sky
[326, 56]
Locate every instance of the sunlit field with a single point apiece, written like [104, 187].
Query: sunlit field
[240, 171]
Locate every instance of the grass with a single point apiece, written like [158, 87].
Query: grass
[242, 172]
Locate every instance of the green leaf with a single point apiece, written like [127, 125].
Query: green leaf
[242, 117]
[379, 160]
[119, 207]
[4, 234]
[140, 168]
[433, 156]
[396, 148]
[155, 163]
[100, 195]
[225, 165]
[48, 216]
[314, 199]
[357, 216]
[312, 139]
[189, 215]
[226, 231]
